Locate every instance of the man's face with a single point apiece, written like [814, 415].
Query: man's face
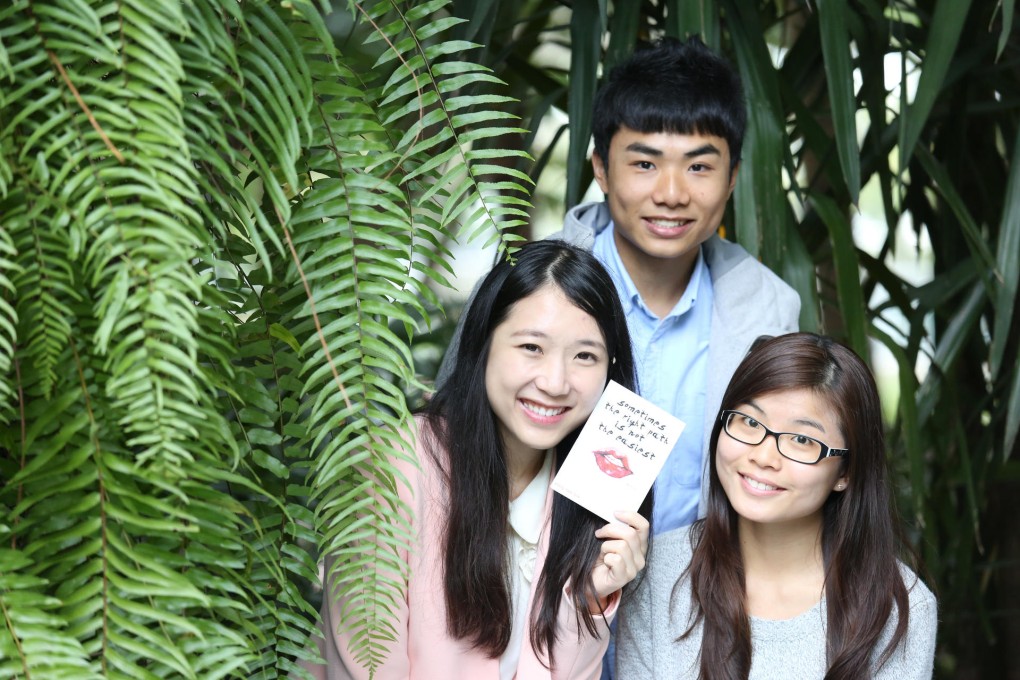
[666, 193]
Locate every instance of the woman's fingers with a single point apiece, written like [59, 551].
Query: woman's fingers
[634, 530]
[623, 566]
[623, 552]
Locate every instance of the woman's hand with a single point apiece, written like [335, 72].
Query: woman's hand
[623, 553]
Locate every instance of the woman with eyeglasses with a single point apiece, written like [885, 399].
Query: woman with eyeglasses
[794, 572]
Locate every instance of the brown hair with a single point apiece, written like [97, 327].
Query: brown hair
[860, 533]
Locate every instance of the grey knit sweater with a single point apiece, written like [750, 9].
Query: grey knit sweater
[647, 646]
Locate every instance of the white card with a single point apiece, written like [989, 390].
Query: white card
[618, 454]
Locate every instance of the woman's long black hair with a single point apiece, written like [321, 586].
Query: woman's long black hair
[466, 444]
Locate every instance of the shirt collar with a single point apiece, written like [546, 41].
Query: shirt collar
[698, 275]
[607, 253]
[527, 510]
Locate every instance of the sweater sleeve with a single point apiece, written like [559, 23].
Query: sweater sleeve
[579, 653]
[655, 612]
[634, 657]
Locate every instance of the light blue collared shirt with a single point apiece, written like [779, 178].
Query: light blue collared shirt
[671, 355]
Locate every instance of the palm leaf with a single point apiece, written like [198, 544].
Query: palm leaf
[848, 281]
[947, 23]
[836, 50]
[1007, 270]
[759, 193]
[586, 24]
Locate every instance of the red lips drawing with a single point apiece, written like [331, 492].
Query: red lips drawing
[613, 464]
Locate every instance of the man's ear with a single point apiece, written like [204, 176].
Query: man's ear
[733, 177]
[601, 172]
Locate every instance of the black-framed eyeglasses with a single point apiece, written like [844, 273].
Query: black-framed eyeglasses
[793, 445]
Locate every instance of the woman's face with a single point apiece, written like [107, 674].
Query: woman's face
[547, 368]
[763, 486]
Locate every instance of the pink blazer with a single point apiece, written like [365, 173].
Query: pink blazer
[425, 651]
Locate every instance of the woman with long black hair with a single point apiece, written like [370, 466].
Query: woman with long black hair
[795, 570]
[508, 579]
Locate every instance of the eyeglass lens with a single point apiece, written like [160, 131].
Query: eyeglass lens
[797, 447]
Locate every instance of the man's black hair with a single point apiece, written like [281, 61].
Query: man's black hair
[675, 86]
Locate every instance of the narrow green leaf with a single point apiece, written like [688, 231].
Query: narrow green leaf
[946, 25]
[425, 9]
[971, 231]
[622, 26]
[1008, 7]
[848, 276]
[840, 82]
[478, 13]
[270, 463]
[912, 440]
[1007, 265]
[685, 18]
[759, 199]
[948, 350]
[799, 271]
[586, 49]
[281, 333]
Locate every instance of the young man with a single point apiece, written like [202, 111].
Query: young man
[668, 126]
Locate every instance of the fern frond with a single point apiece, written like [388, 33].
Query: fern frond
[49, 286]
[480, 196]
[33, 639]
